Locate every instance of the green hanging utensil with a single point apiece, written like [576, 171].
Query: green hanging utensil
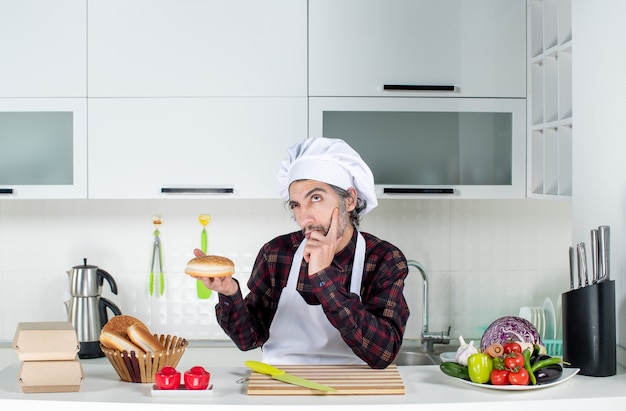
[204, 220]
[157, 254]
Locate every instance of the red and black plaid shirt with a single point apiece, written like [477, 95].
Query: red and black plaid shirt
[373, 325]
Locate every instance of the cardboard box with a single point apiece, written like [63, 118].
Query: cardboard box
[50, 376]
[43, 341]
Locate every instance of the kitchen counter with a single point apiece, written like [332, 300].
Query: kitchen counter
[425, 385]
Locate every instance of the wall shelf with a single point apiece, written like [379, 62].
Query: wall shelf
[550, 116]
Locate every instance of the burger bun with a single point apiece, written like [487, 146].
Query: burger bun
[210, 266]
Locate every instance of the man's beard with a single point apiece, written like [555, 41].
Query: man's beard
[343, 223]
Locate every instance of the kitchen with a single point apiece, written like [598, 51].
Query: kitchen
[469, 247]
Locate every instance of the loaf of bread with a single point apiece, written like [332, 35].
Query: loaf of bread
[210, 266]
[141, 337]
[127, 333]
[119, 324]
[116, 341]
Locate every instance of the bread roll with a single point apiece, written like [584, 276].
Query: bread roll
[119, 324]
[115, 341]
[210, 266]
[141, 337]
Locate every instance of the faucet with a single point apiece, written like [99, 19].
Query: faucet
[428, 337]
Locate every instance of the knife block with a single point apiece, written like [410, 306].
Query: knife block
[589, 335]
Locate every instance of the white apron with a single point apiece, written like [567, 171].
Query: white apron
[300, 333]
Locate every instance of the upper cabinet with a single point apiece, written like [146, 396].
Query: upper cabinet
[43, 148]
[550, 99]
[43, 105]
[419, 48]
[432, 147]
[43, 48]
[225, 147]
[195, 48]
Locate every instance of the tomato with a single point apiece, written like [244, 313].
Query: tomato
[499, 377]
[520, 377]
[512, 347]
[479, 367]
[514, 361]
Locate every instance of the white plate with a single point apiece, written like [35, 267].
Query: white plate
[181, 392]
[447, 356]
[567, 374]
[548, 309]
[526, 313]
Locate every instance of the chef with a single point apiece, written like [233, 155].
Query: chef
[327, 293]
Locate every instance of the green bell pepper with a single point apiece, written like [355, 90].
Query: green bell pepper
[479, 366]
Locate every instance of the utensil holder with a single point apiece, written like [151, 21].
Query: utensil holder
[589, 335]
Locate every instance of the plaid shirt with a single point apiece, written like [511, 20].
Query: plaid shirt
[373, 325]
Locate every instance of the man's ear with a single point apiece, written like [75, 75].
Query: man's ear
[351, 201]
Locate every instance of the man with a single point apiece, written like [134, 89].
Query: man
[327, 294]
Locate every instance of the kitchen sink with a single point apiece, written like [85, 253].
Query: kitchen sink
[416, 358]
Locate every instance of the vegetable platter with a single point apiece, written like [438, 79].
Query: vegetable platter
[510, 357]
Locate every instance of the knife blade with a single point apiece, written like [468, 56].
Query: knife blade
[283, 376]
[594, 256]
[604, 234]
[572, 264]
[582, 265]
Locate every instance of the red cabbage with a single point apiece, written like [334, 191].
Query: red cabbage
[509, 328]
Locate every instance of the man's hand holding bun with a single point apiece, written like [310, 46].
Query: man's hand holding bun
[215, 272]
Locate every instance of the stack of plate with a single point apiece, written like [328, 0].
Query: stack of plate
[543, 318]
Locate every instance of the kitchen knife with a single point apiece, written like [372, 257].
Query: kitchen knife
[604, 235]
[281, 375]
[572, 264]
[582, 265]
[594, 256]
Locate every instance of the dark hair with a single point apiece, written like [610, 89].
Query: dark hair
[355, 214]
[355, 217]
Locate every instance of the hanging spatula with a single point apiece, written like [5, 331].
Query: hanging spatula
[204, 220]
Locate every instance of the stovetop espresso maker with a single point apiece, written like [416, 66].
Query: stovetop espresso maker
[86, 309]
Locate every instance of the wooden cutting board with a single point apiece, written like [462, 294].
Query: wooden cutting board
[345, 379]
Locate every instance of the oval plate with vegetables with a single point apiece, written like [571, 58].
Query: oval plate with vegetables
[507, 365]
[567, 374]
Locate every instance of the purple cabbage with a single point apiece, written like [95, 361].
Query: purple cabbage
[509, 328]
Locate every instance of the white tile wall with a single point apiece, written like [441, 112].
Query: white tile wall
[485, 258]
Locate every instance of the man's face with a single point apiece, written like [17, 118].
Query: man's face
[312, 203]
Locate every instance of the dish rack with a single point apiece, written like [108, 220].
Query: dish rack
[554, 348]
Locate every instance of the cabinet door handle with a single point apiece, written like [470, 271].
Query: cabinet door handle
[391, 190]
[6, 191]
[419, 87]
[197, 190]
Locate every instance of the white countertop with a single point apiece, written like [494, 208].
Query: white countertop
[425, 385]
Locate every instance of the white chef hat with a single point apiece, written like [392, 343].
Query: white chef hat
[331, 161]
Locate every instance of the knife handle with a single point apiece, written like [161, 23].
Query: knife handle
[594, 256]
[582, 263]
[604, 238]
[572, 264]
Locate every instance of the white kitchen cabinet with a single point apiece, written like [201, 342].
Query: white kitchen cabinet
[432, 147]
[43, 48]
[43, 148]
[358, 47]
[550, 99]
[191, 147]
[191, 48]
